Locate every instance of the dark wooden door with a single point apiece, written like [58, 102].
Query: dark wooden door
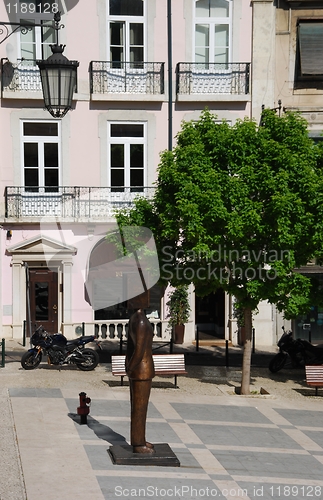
[44, 299]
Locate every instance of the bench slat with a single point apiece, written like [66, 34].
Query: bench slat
[172, 372]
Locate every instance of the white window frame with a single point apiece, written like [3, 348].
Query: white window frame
[127, 141]
[40, 140]
[127, 20]
[37, 18]
[212, 22]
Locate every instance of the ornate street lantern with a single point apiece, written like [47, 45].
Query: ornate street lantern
[58, 78]
[58, 74]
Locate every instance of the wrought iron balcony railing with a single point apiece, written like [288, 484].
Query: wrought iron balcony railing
[72, 203]
[108, 77]
[23, 76]
[212, 78]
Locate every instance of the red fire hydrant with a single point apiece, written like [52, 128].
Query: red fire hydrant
[84, 408]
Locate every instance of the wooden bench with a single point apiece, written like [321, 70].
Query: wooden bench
[314, 376]
[165, 364]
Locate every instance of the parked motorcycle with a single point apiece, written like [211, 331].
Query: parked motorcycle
[60, 351]
[300, 352]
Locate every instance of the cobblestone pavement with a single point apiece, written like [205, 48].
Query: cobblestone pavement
[266, 445]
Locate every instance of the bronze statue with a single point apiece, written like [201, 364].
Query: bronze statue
[140, 370]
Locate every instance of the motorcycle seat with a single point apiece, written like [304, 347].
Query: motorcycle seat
[312, 346]
[80, 340]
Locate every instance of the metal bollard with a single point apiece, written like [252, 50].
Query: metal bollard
[253, 340]
[24, 333]
[227, 353]
[3, 352]
[197, 338]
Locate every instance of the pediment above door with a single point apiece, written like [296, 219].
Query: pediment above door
[42, 247]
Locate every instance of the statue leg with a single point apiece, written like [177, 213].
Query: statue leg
[139, 396]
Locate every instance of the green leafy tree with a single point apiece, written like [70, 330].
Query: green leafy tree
[239, 207]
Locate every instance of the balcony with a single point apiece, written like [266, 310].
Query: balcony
[115, 80]
[74, 204]
[20, 80]
[212, 81]
[117, 330]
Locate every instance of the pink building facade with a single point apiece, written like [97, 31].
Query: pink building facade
[144, 68]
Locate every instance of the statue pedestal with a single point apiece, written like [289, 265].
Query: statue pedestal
[163, 456]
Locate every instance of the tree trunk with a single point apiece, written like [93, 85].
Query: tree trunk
[246, 361]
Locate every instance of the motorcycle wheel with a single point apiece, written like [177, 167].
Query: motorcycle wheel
[278, 362]
[91, 360]
[29, 361]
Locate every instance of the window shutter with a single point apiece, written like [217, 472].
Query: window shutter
[310, 36]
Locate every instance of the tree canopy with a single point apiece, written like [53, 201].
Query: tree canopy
[239, 207]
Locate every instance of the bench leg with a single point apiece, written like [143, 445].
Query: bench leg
[175, 382]
[316, 389]
[121, 380]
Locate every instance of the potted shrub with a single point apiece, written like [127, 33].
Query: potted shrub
[178, 312]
